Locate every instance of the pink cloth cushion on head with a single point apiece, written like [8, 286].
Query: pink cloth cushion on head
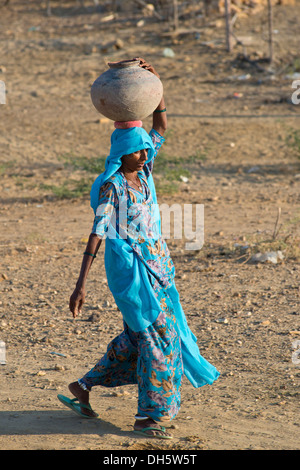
[127, 124]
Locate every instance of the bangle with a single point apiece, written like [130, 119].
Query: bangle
[90, 254]
[141, 418]
[160, 110]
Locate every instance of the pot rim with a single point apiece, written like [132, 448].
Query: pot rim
[124, 63]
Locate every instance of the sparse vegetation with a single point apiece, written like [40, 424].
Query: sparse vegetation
[293, 141]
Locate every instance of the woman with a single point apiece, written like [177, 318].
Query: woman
[156, 347]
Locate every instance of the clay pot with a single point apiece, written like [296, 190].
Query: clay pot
[126, 91]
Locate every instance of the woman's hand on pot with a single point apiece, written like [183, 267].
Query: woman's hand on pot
[146, 66]
[77, 300]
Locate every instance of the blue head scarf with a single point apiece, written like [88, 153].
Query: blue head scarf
[123, 142]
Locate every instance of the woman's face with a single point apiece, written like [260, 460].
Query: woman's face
[135, 161]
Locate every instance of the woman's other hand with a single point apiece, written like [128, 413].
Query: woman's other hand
[146, 66]
[77, 300]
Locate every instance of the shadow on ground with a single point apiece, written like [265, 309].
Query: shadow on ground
[40, 422]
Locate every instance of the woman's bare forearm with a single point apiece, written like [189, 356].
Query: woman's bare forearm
[77, 299]
[90, 253]
[160, 118]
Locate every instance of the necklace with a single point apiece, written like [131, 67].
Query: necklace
[138, 185]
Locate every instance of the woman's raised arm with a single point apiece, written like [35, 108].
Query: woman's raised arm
[160, 113]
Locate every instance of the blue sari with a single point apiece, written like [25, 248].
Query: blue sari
[137, 287]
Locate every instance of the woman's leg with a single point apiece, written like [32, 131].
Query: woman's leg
[159, 370]
[83, 397]
[117, 367]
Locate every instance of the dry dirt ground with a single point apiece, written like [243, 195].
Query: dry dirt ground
[236, 139]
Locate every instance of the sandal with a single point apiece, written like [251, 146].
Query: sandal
[143, 432]
[76, 406]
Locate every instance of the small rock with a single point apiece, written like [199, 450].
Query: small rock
[244, 77]
[103, 120]
[184, 179]
[107, 18]
[119, 44]
[270, 256]
[41, 373]
[181, 276]
[167, 52]
[254, 169]
[293, 76]
[46, 339]
[95, 317]
[241, 246]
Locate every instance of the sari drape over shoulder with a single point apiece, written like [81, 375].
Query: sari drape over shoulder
[136, 255]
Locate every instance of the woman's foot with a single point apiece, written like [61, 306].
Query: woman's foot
[155, 431]
[83, 397]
